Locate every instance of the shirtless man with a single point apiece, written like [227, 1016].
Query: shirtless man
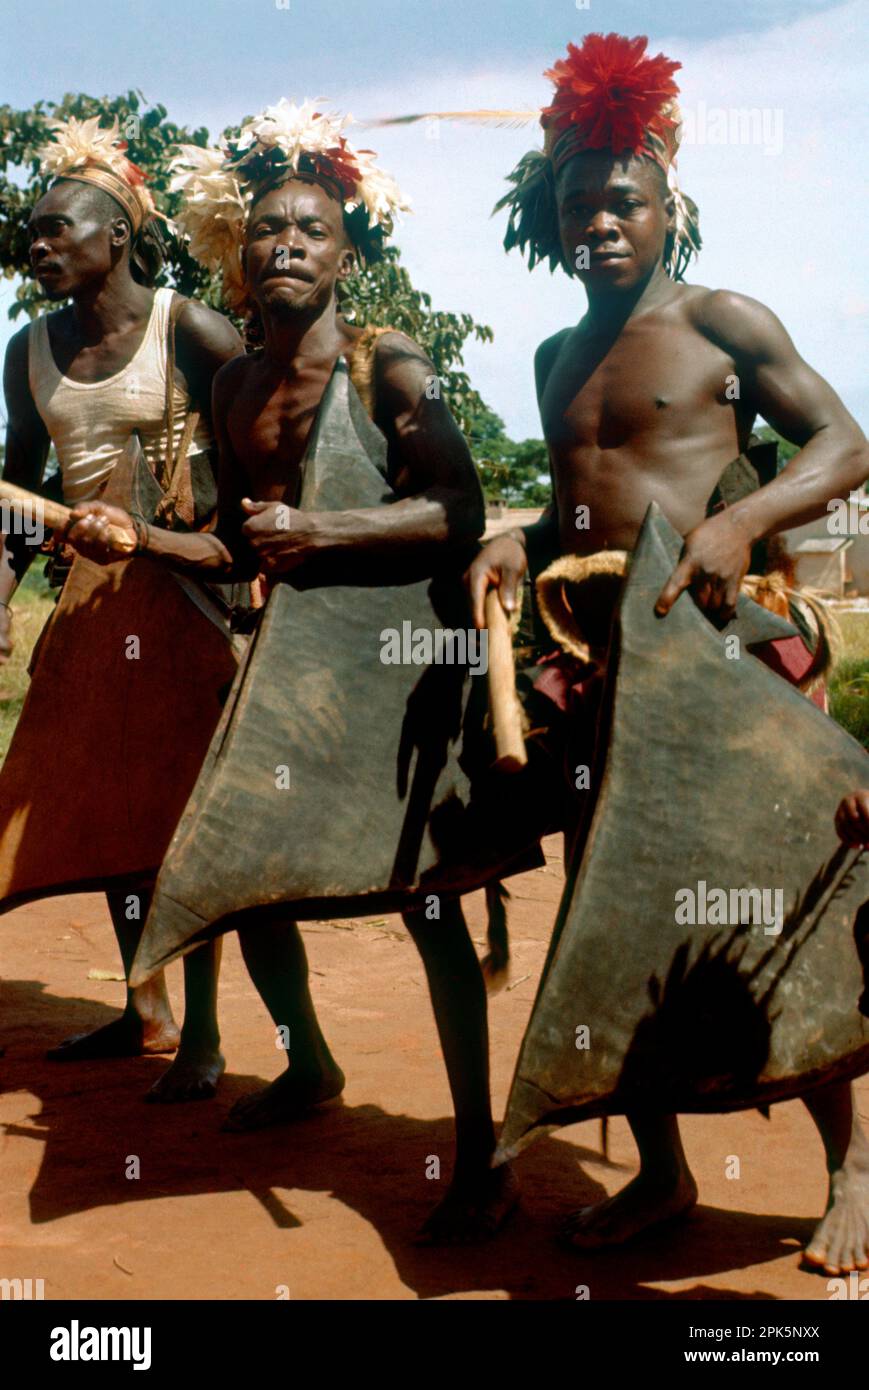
[635, 408]
[93, 242]
[298, 244]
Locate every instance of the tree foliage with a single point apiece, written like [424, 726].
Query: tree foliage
[515, 474]
[767, 435]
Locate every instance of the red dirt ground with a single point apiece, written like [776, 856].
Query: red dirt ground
[327, 1207]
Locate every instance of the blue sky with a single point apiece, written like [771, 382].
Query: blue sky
[783, 211]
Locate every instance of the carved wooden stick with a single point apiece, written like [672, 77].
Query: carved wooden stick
[503, 701]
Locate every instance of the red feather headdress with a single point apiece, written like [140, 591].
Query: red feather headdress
[610, 95]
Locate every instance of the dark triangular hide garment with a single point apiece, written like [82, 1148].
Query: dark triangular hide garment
[336, 782]
[717, 776]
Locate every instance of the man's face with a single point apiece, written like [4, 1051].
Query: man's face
[296, 249]
[74, 239]
[616, 209]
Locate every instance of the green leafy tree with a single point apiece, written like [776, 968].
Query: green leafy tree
[383, 295]
[767, 435]
[515, 474]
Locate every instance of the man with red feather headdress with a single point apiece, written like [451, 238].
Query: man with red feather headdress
[636, 409]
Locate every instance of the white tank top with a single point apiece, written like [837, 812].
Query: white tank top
[91, 422]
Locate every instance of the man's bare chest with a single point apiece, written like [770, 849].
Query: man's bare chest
[269, 425]
[644, 383]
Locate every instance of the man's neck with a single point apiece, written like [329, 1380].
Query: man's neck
[610, 307]
[292, 340]
[112, 305]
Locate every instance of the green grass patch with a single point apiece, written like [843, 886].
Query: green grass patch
[31, 606]
[849, 697]
[848, 685]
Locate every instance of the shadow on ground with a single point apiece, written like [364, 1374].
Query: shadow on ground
[92, 1118]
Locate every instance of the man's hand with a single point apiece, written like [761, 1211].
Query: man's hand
[715, 560]
[281, 537]
[6, 642]
[852, 819]
[501, 565]
[88, 532]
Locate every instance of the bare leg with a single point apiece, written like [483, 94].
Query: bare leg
[841, 1239]
[146, 1025]
[479, 1198]
[275, 956]
[663, 1189]
[199, 1063]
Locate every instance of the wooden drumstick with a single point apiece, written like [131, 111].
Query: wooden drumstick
[55, 515]
[504, 705]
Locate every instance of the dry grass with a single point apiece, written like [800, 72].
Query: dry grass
[849, 682]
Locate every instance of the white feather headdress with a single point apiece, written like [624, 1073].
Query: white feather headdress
[87, 152]
[219, 184]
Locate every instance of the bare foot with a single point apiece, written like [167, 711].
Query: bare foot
[127, 1036]
[643, 1203]
[192, 1075]
[841, 1239]
[472, 1212]
[286, 1099]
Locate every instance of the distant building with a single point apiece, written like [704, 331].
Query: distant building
[854, 559]
[500, 518]
[822, 563]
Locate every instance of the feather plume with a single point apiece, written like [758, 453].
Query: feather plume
[212, 214]
[505, 119]
[289, 136]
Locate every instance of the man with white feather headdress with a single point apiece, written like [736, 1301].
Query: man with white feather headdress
[285, 211]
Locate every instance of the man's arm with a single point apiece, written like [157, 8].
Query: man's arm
[504, 562]
[833, 457]
[27, 446]
[220, 555]
[440, 502]
[204, 341]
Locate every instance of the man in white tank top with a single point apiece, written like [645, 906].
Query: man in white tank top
[84, 378]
